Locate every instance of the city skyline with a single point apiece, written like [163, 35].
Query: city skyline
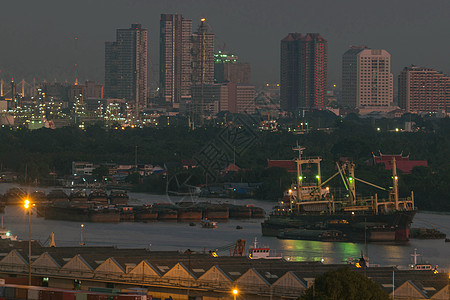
[48, 51]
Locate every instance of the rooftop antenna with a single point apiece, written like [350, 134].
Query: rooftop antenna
[75, 44]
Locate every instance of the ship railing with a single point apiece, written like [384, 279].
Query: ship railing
[310, 158]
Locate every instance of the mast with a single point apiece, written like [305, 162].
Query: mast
[299, 171]
[351, 181]
[395, 182]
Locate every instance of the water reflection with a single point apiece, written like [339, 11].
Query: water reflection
[181, 236]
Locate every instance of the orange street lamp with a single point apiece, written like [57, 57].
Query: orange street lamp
[235, 292]
[27, 206]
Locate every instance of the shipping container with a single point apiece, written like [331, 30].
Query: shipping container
[81, 296]
[97, 297]
[33, 294]
[128, 297]
[68, 295]
[21, 293]
[22, 281]
[9, 292]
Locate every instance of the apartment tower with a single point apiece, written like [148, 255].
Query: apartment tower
[303, 74]
[126, 67]
[423, 90]
[175, 58]
[367, 82]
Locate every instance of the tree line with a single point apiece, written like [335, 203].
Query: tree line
[40, 153]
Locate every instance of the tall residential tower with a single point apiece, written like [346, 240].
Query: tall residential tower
[126, 67]
[303, 74]
[175, 51]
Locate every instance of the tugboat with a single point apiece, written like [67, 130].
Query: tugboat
[311, 207]
[421, 266]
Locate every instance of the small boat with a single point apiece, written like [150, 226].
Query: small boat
[257, 252]
[421, 266]
[5, 234]
[208, 224]
[447, 240]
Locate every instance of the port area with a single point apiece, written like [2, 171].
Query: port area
[119, 273]
[98, 206]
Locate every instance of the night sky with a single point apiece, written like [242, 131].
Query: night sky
[38, 36]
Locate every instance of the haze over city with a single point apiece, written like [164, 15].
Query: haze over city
[38, 36]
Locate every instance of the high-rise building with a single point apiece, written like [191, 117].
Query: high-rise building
[367, 79]
[203, 55]
[423, 90]
[175, 58]
[228, 69]
[303, 74]
[202, 68]
[126, 67]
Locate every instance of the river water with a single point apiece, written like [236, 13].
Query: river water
[182, 236]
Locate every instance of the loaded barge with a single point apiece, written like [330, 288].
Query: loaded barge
[99, 207]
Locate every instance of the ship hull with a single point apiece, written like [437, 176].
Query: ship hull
[382, 227]
[189, 215]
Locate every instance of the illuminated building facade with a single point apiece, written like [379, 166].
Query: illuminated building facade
[367, 79]
[423, 90]
[175, 53]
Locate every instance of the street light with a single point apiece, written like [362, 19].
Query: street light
[81, 236]
[235, 292]
[27, 206]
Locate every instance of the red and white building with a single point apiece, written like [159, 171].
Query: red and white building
[423, 90]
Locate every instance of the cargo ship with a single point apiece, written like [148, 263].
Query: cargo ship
[309, 211]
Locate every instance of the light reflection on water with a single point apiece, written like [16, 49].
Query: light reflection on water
[181, 236]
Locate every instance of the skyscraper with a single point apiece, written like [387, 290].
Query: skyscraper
[367, 79]
[203, 55]
[202, 68]
[423, 90]
[126, 67]
[175, 58]
[303, 74]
